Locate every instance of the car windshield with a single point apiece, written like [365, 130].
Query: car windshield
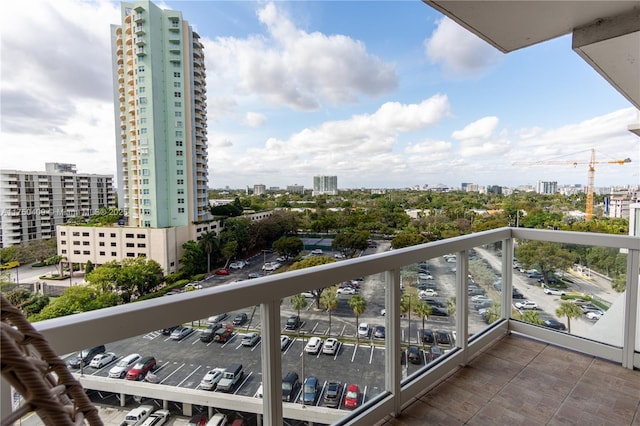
[309, 389]
[123, 363]
[352, 394]
[286, 386]
[138, 365]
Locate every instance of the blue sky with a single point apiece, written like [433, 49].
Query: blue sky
[381, 94]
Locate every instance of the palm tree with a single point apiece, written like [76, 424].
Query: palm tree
[329, 301]
[569, 310]
[422, 309]
[359, 305]
[298, 302]
[531, 316]
[451, 305]
[209, 242]
[408, 303]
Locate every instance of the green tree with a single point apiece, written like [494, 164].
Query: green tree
[75, 299]
[88, 267]
[423, 310]
[209, 243]
[329, 301]
[229, 251]
[105, 216]
[288, 247]
[549, 257]
[407, 239]
[569, 310]
[358, 305]
[193, 259]
[451, 305]
[349, 242]
[531, 316]
[298, 302]
[408, 303]
[308, 263]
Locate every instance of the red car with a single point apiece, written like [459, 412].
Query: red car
[197, 420]
[222, 272]
[141, 368]
[351, 397]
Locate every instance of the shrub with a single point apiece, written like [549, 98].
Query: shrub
[198, 277]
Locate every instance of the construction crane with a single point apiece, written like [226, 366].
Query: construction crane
[592, 170]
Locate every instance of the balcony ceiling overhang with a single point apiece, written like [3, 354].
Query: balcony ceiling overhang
[606, 34]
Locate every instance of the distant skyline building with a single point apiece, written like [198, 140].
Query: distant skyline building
[325, 185]
[546, 187]
[159, 89]
[259, 189]
[33, 203]
[295, 189]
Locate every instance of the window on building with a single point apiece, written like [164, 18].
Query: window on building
[146, 202]
[145, 181]
[145, 191]
[178, 124]
[177, 84]
[76, 243]
[101, 243]
[101, 253]
[147, 224]
[63, 242]
[180, 200]
[62, 233]
[144, 161]
[143, 131]
[146, 172]
[113, 235]
[86, 252]
[176, 74]
[130, 245]
[146, 212]
[142, 245]
[131, 255]
[113, 253]
[180, 191]
[142, 120]
[141, 89]
[177, 94]
[179, 162]
[142, 100]
[178, 143]
[179, 172]
[180, 209]
[178, 114]
[141, 79]
[141, 236]
[101, 234]
[86, 243]
[178, 133]
[142, 110]
[64, 251]
[141, 68]
[177, 104]
[179, 153]
[85, 234]
[113, 244]
[76, 234]
[128, 235]
[76, 252]
[180, 181]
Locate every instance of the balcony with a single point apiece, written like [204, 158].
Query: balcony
[506, 372]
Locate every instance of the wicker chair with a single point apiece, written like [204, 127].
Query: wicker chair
[40, 376]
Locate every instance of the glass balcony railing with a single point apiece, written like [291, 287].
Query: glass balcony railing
[426, 311]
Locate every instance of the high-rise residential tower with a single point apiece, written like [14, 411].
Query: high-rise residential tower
[160, 115]
[325, 185]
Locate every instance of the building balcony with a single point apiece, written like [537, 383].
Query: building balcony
[506, 372]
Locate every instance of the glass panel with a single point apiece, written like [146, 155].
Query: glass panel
[485, 286]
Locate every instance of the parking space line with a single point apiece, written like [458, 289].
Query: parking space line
[192, 373]
[371, 356]
[231, 339]
[343, 328]
[364, 394]
[354, 352]
[172, 373]
[243, 382]
[256, 345]
[324, 385]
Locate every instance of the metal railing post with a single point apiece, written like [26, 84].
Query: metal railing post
[393, 367]
[631, 309]
[271, 363]
[507, 278]
[462, 302]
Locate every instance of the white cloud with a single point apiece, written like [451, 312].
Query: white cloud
[480, 129]
[461, 53]
[293, 68]
[255, 119]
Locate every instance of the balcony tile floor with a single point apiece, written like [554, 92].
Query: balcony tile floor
[520, 381]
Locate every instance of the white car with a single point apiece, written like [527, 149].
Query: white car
[554, 291]
[346, 290]
[594, 315]
[313, 345]
[284, 342]
[307, 294]
[158, 418]
[123, 366]
[363, 329]
[330, 346]
[101, 360]
[527, 304]
[192, 286]
[211, 379]
[429, 292]
[237, 265]
[423, 276]
[480, 298]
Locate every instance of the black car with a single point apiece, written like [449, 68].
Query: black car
[332, 394]
[433, 302]
[443, 338]
[427, 336]
[439, 311]
[167, 331]
[83, 359]
[240, 319]
[434, 352]
[290, 385]
[555, 324]
[414, 355]
[293, 322]
[207, 335]
[517, 295]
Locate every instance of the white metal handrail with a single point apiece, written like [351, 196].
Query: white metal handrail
[75, 332]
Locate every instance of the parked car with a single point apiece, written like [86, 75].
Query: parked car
[332, 394]
[594, 315]
[364, 329]
[330, 346]
[352, 397]
[293, 322]
[307, 295]
[211, 379]
[290, 386]
[535, 275]
[222, 271]
[554, 291]
[425, 276]
[208, 333]
[434, 352]
[141, 368]
[237, 265]
[516, 294]
[580, 302]
[167, 331]
[84, 357]
[138, 415]
[197, 420]
[230, 378]
[240, 319]
[310, 390]
[223, 334]
[428, 292]
[439, 311]
[313, 345]
[555, 324]
[192, 286]
[414, 355]
[101, 360]
[217, 318]
[250, 339]
[480, 298]
[284, 342]
[181, 332]
[346, 290]
[427, 336]
[122, 367]
[158, 418]
[483, 304]
[526, 304]
[218, 419]
[444, 338]
[589, 308]
[476, 291]
[379, 332]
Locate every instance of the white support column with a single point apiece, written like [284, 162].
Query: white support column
[462, 302]
[393, 367]
[271, 363]
[507, 278]
[631, 309]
